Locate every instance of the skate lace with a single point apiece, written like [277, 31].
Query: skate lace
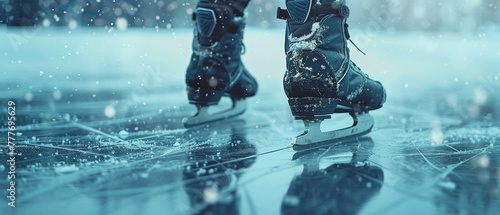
[348, 37]
[243, 48]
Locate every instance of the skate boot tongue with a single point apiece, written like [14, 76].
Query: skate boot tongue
[213, 22]
[302, 14]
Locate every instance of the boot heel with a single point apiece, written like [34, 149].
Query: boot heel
[204, 97]
[312, 106]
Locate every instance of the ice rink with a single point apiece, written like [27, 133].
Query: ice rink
[98, 129]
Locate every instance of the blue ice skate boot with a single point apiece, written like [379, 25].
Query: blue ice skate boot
[320, 78]
[216, 69]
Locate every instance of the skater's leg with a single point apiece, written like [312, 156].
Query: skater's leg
[321, 79]
[215, 69]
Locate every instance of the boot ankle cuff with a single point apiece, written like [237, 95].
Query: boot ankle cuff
[300, 11]
[237, 7]
[213, 21]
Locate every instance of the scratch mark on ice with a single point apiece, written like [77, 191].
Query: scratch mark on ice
[428, 162]
[84, 127]
[66, 149]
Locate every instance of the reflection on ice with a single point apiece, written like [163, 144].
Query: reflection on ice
[213, 168]
[340, 188]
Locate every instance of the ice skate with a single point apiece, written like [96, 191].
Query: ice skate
[216, 69]
[321, 79]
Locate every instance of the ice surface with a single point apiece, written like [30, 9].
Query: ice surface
[112, 142]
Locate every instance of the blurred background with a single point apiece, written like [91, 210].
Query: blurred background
[445, 49]
[478, 16]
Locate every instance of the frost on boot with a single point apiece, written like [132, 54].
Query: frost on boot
[318, 61]
[320, 78]
[215, 69]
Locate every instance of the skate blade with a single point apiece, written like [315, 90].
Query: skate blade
[204, 117]
[313, 136]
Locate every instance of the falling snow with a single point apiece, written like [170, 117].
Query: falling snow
[100, 100]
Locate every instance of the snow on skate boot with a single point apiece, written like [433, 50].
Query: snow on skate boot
[320, 78]
[216, 69]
